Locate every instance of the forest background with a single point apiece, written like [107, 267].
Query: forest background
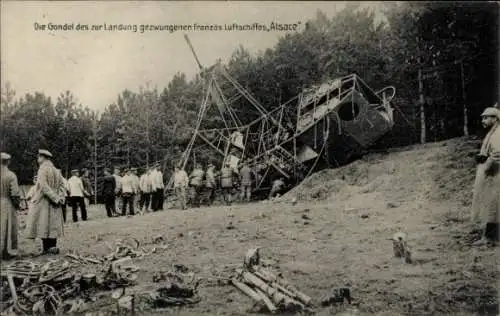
[446, 52]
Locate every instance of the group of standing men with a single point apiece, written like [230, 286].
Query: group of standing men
[50, 191]
[201, 182]
[45, 215]
[144, 193]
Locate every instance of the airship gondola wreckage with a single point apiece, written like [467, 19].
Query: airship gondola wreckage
[308, 132]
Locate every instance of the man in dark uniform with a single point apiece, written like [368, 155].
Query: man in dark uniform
[87, 186]
[108, 192]
[226, 180]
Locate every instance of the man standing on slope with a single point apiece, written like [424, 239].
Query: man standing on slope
[486, 198]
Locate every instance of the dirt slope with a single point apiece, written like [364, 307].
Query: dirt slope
[424, 191]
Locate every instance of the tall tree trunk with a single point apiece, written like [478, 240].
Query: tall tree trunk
[422, 107]
[466, 118]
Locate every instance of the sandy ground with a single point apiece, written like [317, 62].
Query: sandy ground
[335, 236]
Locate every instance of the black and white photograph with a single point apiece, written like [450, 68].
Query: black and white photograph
[249, 158]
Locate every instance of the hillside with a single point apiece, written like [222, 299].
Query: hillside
[335, 236]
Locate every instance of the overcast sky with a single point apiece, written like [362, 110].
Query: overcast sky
[97, 65]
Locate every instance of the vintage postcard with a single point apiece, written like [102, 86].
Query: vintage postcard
[249, 157]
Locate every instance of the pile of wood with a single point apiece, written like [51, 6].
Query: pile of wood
[47, 288]
[268, 290]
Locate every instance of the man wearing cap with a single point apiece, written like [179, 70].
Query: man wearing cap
[246, 182]
[196, 182]
[486, 194]
[77, 195]
[128, 193]
[181, 181]
[10, 203]
[45, 217]
[210, 183]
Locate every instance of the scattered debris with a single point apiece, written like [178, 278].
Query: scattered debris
[400, 247]
[252, 258]
[337, 296]
[181, 287]
[53, 287]
[268, 291]
[158, 239]
[392, 205]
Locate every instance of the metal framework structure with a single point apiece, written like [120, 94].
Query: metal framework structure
[289, 141]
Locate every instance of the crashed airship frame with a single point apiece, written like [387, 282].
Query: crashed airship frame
[323, 124]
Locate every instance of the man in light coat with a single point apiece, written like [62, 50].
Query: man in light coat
[10, 203]
[486, 197]
[45, 219]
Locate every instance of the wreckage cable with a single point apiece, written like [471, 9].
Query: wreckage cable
[325, 142]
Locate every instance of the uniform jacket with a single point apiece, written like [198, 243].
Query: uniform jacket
[109, 185]
[210, 178]
[197, 177]
[246, 175]
[145, 183]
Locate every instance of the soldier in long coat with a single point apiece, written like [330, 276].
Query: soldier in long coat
[9, 204]
[486, 198]
[45, 220]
